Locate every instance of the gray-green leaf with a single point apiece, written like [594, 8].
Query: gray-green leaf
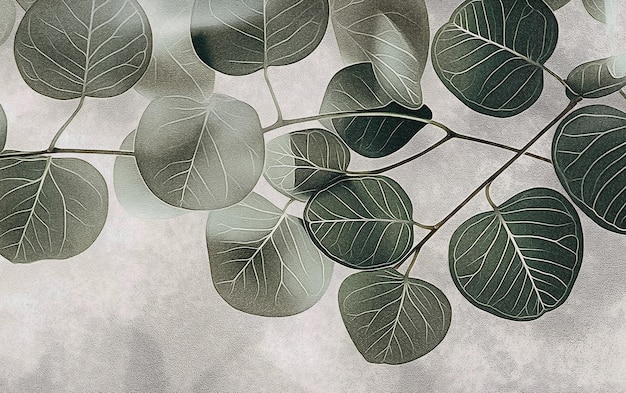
[131, 190]
[7, 19]
[50, 208]
[262, 260]
[200, 155]
[3, 129]
[391, 319]
[491, 53]
[25, 4]
[556, 4]
[238, 37]
[302, 162]
[595, 79]
[393, 35]
[362, 222]
[589, 156]
[521, 260]
[355, 89]
[597, 9]
[67, 49]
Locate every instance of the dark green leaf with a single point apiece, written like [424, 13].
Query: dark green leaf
[262, 260]
[132, 192]
[25, 4]
[355, 88]
[556, 4]
[589, 156]
[50, 208]
[393, 35]
[491, 53]
[597, 9]
[595, 79]
[391, 319]
[67, 49]
[522, 259]
[7, 19]
[238, 37]
[300, 163]
[200, 155]
[3, 129]
[362, 222]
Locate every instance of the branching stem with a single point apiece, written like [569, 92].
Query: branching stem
[66, 124]
[57, 150]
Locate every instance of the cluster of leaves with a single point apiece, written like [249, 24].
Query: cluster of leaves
[197, 150]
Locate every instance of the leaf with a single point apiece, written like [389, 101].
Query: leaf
[174, 68]
[595, 79]
[3, 129]
[302, 162]
[67, 49]
[200, 155]
[597, 9]
[50, 208]
[589, 156]
[391, 319]
[25, 4]
[238, 37]
[556, 4]
[131, 190]
[520, 260]
[7, 19]
[361, 222]
[491, 54]
[355, 89]
[262, 260]
[393, 35]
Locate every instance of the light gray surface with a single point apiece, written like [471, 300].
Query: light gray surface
[137, 311]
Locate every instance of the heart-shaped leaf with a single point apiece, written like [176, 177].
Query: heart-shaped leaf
[391, 319]
[200, 155]
[491, 53]
[3, 129]
[589, 156]
[239, 37]
[67, 49]
[595, 79]
[50, 208]
[355, 89]
[132, 192]
[520, 260]
[362, 222]
[556, 4]
[262, 260]
[302, 162]
[393, 35]
[7, 19]
[597, 9]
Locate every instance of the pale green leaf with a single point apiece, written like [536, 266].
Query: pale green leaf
[393, 320]
[25, 4]
[589, 156]
[520, 260]
[50, 208]
[238, 37]
[595, 79]
[491, 53]
[597, 9]
[556, 4]
[67, 49]
[200, 155]
[3, 129]
[262, 260]
[7, 19]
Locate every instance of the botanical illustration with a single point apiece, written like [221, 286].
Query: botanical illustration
[197, 149]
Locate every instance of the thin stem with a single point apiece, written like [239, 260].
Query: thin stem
[558, 78]
[621, 92]
[408, 270]
[67, 123]
[57, 150]
[488, 196]
[274, 98]
[500, 145]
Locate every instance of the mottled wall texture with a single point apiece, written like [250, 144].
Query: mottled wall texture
[137, 311]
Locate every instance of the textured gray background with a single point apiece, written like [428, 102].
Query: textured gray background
[137, 311]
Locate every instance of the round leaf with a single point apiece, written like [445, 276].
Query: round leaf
[3, 129]
[393, 35]
[262, 260]
[200, 155]
[355, 89]
[556, 4]
[362, 222]
[239, 37]
[50, 208]
[67, 49]
[302, 162]
[391, 319]
[7, 19]
[597, 9]
[132, 192]
[522, 259]
[491, 53]
[595, 79]
[589, 156]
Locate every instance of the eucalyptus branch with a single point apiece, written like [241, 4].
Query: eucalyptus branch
[279, 113]
[57, 150]
[66, 124]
